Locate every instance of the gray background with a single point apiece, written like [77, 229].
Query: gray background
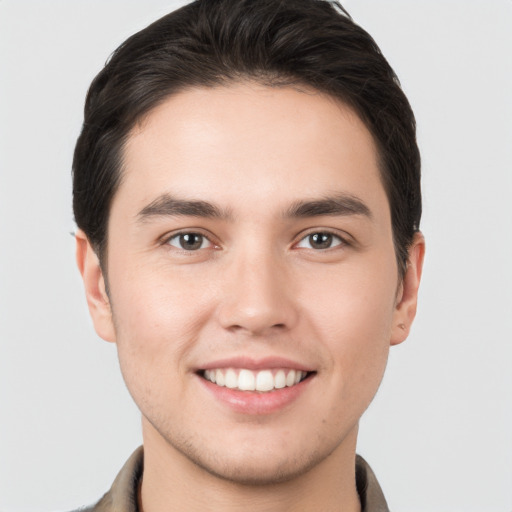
[439, 433]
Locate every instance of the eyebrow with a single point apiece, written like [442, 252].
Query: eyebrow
[338, 205]
[167, 205]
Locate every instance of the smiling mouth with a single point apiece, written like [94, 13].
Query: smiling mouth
[263, 381]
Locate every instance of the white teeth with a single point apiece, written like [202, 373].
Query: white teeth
[280, 380]
[231, 379]
[247, 380]
[219, 378]
[290, 378]
[264, 381]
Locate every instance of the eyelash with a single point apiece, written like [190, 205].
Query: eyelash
[176, 236]
[341, 241]
[333, 236]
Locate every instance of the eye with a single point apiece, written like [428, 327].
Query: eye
[320, 241]
[189, 241]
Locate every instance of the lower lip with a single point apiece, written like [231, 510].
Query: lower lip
[254, 402]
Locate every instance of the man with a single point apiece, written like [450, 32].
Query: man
[246, 187]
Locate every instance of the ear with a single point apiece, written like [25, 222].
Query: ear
[95, 290]
[407, 297]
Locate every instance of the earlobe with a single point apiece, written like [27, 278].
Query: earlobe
[407, 299]
[95, 290]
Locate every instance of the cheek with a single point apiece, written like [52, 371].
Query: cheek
[354, 324]
[355, 301]
[155, 305]
[157, 322]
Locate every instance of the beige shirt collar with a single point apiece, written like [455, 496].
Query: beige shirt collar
[122, 496]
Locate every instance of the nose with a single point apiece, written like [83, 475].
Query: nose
[257, 296]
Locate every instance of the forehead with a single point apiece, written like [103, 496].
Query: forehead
[246, 139]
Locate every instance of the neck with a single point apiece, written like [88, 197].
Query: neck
[171, 482]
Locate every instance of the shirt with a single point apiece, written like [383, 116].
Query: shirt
[122, 496]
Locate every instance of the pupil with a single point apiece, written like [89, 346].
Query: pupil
[191, 241]
[321, 240]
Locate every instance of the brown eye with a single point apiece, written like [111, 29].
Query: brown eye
[319, 241]
[189, 241]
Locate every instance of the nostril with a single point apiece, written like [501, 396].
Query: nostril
[257, 316]
[257, 330]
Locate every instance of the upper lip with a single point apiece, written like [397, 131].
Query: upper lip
[256, 364]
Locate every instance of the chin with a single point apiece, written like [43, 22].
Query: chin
[248, 469]
[253, 462]
[248, 455]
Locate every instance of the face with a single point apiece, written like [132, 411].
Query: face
[253, 284]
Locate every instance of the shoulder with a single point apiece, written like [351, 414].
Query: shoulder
[123, 493]
[370, 493]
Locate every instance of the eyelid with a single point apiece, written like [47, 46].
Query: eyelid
[345, 239]
[165, 239]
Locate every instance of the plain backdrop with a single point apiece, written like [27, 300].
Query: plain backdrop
[439, 433]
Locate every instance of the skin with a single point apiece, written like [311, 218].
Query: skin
[256, 287]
